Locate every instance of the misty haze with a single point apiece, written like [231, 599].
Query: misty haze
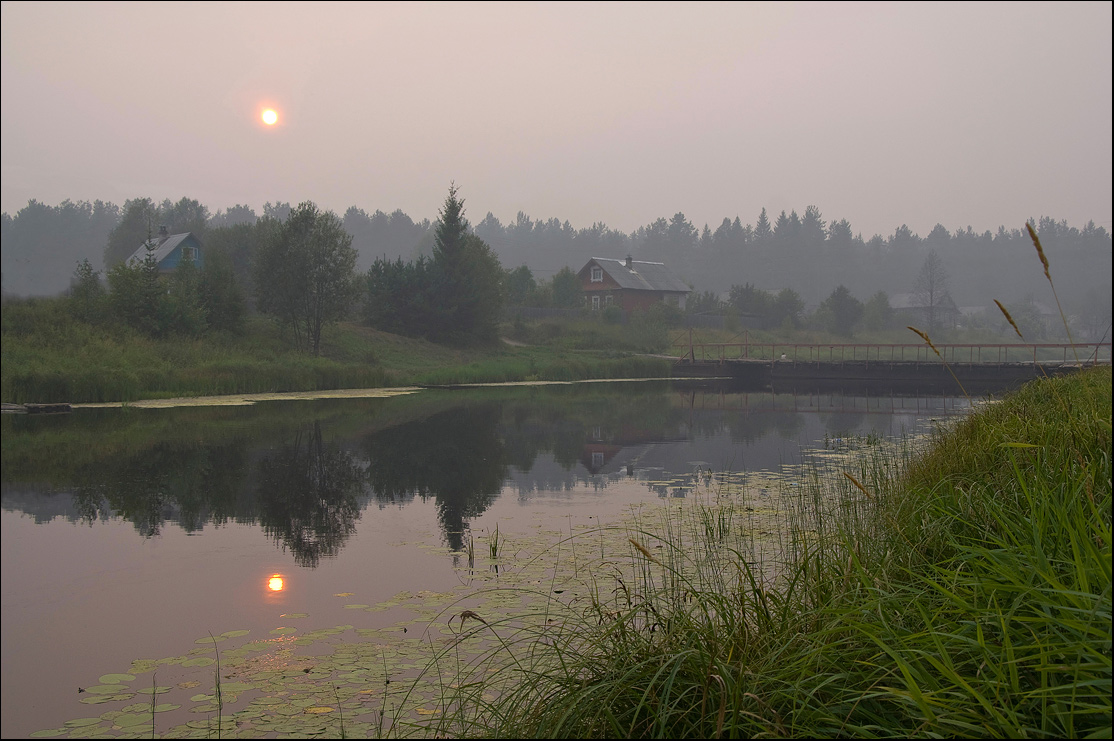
[538, 370]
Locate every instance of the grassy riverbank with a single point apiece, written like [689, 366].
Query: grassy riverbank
[48, 356]
[967, 595]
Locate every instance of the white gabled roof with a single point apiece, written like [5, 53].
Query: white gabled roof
[162, 249]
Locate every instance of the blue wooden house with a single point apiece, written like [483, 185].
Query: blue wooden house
[170, 250]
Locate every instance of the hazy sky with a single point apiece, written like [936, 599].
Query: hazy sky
[883, 114]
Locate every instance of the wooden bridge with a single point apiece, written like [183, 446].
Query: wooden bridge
[992, 364]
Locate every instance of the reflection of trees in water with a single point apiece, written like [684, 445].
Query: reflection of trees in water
[456, 457]
[307, 496]
[190, 484]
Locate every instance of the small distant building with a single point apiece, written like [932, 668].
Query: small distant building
[170, 250]
[632, 285]
[909, 307]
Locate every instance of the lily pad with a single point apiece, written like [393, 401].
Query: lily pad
[294, 615]
[235, 633]
[132, 719]
[320, 709]
[199, 661]
[105, 689]
[82, 722]
[236, 687]
[142, 666]
[51, 733]
[156, 690]
[283, 631]
[100, 699]
[116, 678]
[211, 639]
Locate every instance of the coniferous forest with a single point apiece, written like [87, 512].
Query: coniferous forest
[811, 255]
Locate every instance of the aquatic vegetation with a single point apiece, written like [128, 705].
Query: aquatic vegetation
[962, 591]
[404, 679]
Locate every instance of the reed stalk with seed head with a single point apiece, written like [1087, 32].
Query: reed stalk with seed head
[928, 341]
[1044, 262]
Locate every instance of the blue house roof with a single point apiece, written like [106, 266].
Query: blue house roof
[169, 250]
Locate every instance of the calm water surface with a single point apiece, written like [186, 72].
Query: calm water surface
[132, 533]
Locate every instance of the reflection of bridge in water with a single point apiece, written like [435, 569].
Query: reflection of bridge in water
[851, 402]
[979, 368]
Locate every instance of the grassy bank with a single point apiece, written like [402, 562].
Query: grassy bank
[48, 356]
[963, 592]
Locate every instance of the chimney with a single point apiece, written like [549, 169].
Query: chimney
[163, 234]
[629, 263]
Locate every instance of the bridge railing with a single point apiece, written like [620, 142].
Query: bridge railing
[1050, 352]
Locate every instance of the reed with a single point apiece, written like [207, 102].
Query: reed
[968, 594]
[928, 341]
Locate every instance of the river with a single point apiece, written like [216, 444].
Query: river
[134, 534]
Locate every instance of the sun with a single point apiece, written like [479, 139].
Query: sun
[270, 117]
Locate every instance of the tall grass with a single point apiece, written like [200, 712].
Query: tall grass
[963, 590]
[49, 356]
[969, 594]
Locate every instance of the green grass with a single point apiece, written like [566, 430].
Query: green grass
[962, 591]
[48, 356]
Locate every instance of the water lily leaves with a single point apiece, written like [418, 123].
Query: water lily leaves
[356, 607]
[293, 615]
[234, 633]
[142, 666]
[188, 685]
[199, 661]
[116, 678]
[236, 687]
[345, 594]
[156, 690]
[211, 724]
[212, 639]
[283, 631]
[51, 733]
[125, 720]
[82, 722]
[100, 699]
[164, 707]
[105, 689]
[320, 709]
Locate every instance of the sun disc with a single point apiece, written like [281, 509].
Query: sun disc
[270, 117]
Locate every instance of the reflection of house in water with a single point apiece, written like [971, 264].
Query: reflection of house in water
[607, 452]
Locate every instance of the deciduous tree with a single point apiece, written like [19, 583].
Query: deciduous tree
[304, 274]
[931, 291]
[840, 311]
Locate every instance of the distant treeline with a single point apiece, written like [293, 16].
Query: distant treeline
[42, 245]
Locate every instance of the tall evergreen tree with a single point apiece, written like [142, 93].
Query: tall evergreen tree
[468, 278]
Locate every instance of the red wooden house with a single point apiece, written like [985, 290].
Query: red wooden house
[631, 285]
